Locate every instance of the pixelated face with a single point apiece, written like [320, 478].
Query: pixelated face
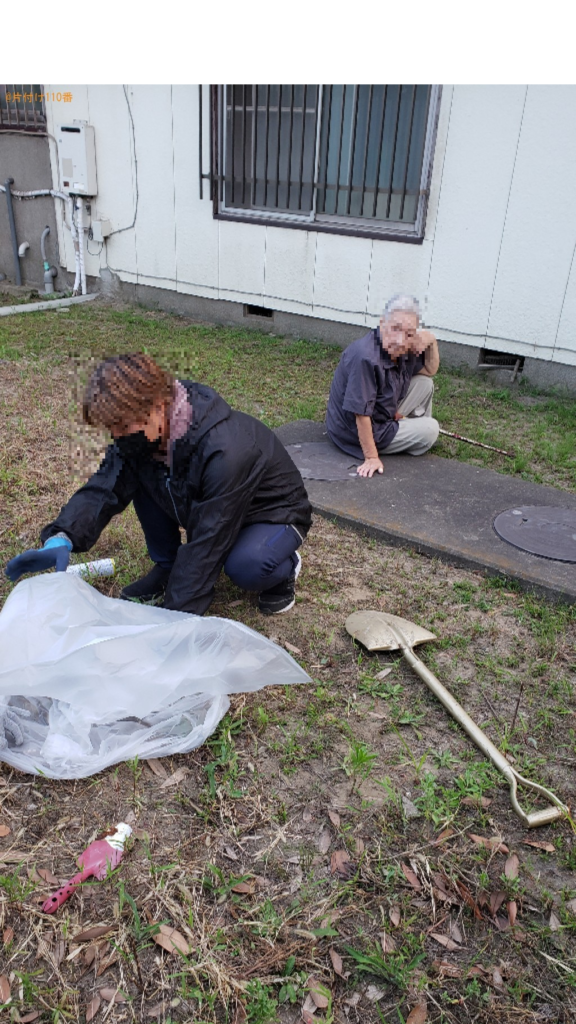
[398, 332]
[153, 427]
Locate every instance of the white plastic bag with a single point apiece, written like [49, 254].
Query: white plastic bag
[95, 680]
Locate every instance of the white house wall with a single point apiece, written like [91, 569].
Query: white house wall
[496, 267]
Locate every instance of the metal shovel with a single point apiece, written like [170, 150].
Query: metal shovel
[381, 632]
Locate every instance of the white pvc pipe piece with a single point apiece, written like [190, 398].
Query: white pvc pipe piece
[80, 230]
[33, 307]
[101, 567]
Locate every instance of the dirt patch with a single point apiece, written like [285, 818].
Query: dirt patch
[286, 856]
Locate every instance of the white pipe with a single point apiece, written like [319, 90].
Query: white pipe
[80, 230]
[33, 307]
[74, 232]
[80, 278]
[22, 248]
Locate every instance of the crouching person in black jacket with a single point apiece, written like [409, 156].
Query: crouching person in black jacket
[186, 459]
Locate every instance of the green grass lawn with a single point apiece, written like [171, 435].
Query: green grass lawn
[240, 852]
[278, 380]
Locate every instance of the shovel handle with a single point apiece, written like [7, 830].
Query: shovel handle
[542, 817]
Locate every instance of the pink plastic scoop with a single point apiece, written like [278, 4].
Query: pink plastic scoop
[102, 856]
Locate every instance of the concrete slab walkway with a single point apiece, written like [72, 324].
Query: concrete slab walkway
[443, 508]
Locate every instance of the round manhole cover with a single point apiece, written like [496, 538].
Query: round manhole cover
[322, 460]
[543, 530]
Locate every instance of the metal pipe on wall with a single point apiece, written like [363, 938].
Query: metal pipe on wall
[8, 183]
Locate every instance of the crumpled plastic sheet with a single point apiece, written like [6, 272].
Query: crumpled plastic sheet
[105, 680]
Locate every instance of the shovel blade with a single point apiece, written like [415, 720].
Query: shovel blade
[377, 631]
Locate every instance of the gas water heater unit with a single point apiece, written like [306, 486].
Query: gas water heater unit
[77, 158]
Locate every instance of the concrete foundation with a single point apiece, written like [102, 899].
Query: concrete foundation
[538, 372]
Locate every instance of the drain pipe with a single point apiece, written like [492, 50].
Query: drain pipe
[49, 272]
[7, 184]
[80, 230]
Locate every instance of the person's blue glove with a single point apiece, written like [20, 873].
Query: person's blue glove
[55, 553]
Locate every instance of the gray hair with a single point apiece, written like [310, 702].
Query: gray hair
[401, 304]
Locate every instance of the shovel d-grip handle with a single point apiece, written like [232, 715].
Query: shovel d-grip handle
[55, 901]
[542, 817]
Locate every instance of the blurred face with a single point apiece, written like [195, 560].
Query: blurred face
[398, 332]
[155, 426]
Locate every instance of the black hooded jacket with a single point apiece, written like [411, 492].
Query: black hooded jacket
[228, 471]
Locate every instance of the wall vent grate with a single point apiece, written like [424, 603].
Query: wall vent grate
[489, 359]
[261, 311]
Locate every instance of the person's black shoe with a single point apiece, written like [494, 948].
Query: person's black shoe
[282, 597]
[149, 588]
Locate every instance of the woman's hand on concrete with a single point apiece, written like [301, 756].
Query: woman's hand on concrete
[370, 466]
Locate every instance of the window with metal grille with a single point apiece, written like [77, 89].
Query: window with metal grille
[22, 108]
[350, 158]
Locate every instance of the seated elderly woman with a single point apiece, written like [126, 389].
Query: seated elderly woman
[381, 395]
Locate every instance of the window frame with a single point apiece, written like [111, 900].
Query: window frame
[396, 231]
[32, 126]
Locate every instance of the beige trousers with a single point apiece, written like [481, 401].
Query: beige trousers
[418, 431]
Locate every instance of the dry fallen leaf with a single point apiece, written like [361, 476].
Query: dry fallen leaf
[353, 1000]
[336, 962]
[156, 1010]
[92, 933]
[29, 1017]
[246, 888]
[539, 845]
[446, 969]
[157, 767]
[7, 935]
[318, 993]
[359, 846]
[324, 841]
[47, 876]
[554, 923]
[341, 865]
[92, 1008]
[511, 866]
[13, 856]
[512, 912]
[502, 923]
[477, 801]
[291, 648]
[454, 930]
[497, 979]
[496, 901]
[491, 844]
[387, 943]
[307, 815]
[4, 988]
[394, 915]
[171, 940]
[229, 852]
[89, 954]
[4, 830]
[334, 818]
[571, 906]
[110, 994]
[176, 778]
[418, 1015]
[470, 901]
[444, 835]
[106, 964]
[382, 675]
[58, 952]
[374, 993]
[410, 876]
[445, 941]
